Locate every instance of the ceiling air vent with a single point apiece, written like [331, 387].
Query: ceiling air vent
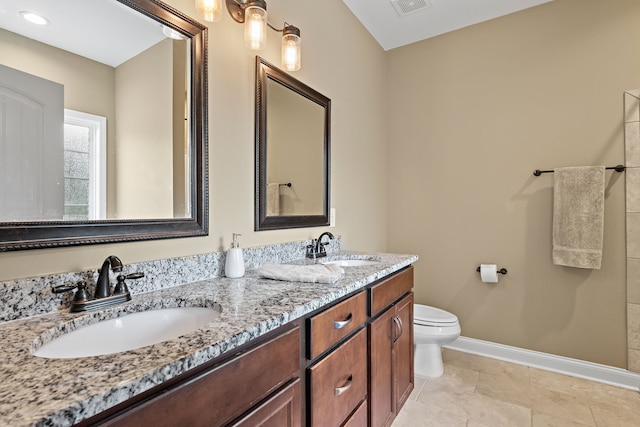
[406, 7]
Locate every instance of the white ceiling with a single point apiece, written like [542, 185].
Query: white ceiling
[435, 17]
[103, 30]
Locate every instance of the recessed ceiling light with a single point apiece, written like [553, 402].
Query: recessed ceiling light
[34, 18]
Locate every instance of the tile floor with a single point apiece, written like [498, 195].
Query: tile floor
[482, 392]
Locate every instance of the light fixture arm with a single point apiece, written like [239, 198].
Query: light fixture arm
[236, 8]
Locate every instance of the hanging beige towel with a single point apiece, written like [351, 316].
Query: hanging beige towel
[273, 199]
[578, 216]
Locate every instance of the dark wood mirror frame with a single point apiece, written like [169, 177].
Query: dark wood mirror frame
[38, 235]
[265, 72]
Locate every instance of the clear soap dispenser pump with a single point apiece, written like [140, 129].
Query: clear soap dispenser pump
[234, 263]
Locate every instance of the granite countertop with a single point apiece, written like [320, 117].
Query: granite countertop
[61, 392]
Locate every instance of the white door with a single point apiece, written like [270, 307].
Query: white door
[31, 147]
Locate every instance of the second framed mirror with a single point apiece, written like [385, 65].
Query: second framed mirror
[293, 123]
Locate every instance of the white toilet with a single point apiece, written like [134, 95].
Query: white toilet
[432, 328]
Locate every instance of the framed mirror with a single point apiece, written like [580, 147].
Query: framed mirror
[103, 131]
[293, 124]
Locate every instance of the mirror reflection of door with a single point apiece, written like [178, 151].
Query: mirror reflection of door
[31, 147]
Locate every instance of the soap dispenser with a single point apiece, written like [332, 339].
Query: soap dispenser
[234, 263]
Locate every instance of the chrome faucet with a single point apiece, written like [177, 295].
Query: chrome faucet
[103, 297]
[103, 287]
[317, 249]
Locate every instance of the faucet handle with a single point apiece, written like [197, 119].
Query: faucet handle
[81, 294]
[121, 286]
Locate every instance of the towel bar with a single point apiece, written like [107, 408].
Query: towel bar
[617, 168]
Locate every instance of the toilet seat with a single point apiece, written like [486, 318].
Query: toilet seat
[430, 316]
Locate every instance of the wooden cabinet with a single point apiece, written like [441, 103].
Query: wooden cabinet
[337, 372]
[352, 366]
[263, 381]
[390, 336]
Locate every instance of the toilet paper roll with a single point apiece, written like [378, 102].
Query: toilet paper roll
[489, 273]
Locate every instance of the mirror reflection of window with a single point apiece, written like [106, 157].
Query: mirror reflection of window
[84, 166]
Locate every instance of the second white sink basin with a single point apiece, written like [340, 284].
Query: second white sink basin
[350, 262]
[128, 332]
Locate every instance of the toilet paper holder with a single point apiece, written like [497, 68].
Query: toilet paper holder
[501, 271]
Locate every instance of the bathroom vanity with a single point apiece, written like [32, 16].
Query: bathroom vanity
[281, 353]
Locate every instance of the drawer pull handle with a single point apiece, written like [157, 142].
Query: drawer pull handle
[339, 324]
[339, 390]
[398, 323]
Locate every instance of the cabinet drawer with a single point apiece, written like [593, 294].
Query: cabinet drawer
[389, 290]
[217, 396]
[359, 417]
[281, 410]
[330, 326]
[338, 383]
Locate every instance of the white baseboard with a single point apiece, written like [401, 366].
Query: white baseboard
[563, 365]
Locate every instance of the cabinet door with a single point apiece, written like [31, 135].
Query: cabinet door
[338, 383]
[381, 403]
[217, 396]
[403, 351]
[281, 410]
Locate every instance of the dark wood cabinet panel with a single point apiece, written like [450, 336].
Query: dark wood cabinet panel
[330, 326]
[215, 397]
[403, 353]
[359, 417]
[338, 382]
[390, 347]
[281, 410]
[387, 291]
[381, 408]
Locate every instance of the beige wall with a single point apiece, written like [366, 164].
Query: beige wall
[144, 112]
[347, 66]
[472, 114]
[295, 150]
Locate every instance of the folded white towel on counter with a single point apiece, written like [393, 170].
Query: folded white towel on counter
[314, 273]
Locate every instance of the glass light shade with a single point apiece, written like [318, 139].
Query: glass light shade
[255, 27]
[209, 10]
[291, 52]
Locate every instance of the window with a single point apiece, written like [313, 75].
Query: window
[84, 166]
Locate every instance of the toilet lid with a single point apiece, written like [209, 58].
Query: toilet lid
[430, 315]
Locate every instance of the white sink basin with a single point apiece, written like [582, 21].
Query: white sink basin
[350, 262]
[128, 332]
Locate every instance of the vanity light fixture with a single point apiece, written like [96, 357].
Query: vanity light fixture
[209, 10]
[34, 18]
[253, 13]
[290, 47]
